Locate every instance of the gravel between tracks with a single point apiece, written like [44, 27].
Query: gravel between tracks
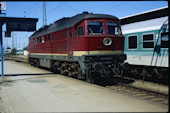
[152, 86]
[146, 84]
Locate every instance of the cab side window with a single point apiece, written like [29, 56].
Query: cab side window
[79, 31]
[48, 37]
[45, 38]
[70, 33]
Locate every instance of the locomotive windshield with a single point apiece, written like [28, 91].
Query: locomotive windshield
[113, 28]
[95, 27]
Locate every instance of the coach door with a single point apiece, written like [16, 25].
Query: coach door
[70, 43]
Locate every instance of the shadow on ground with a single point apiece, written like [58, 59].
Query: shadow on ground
[28, 74]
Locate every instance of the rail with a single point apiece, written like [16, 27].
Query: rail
[145, 89]
[16, 58]
[142, 93]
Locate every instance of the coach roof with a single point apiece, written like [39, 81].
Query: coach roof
[68, 22]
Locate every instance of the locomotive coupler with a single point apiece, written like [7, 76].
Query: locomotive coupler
[125, 66]
[98, 66]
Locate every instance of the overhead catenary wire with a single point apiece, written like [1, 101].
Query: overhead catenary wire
[55, 8]
[72, 7]
[114, 7]
[29, 9]
[38, 9]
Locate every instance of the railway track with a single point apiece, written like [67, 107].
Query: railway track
[16, 58]
[142, 93]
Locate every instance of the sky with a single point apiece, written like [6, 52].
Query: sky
[58, 9]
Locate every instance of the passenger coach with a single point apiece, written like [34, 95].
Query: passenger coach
[146, 43]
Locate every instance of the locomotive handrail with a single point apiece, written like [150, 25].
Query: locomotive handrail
[91, 31]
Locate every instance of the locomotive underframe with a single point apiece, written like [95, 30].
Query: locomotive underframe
[87, 67]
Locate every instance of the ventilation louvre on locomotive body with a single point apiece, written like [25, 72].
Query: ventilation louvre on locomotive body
[85, 46]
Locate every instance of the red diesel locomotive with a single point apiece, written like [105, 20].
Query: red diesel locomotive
[86, 46]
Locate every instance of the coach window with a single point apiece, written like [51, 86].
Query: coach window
[33, 41]
[40, 39]
[164, 40]
[45, 38]
[48, 37]
[132, 42]
[95, 28]
[80, 31]
[148, 41]
[70, 32]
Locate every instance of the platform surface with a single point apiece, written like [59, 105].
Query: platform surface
[37, 90]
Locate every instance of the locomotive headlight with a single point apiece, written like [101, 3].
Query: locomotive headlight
[107, 41]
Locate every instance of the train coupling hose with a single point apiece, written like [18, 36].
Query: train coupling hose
[125, 66]
[98, 66]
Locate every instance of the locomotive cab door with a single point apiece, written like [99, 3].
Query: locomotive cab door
[70, 43]
[42, 43]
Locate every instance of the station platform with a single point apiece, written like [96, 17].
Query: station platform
[30, 89]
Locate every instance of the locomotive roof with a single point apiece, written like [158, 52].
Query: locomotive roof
[68, 22]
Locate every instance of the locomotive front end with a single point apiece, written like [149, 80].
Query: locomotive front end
[102, 49]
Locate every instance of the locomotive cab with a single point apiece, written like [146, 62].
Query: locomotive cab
[99, 36]
[101, 42]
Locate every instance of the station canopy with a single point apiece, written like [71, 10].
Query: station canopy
[19, 24]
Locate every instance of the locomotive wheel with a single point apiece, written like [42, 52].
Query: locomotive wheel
[38, 63]
[35, 62]
[55, 67]
[80, 75]
[99, 80]
[64, 69]
[30, 61]
[89, 80]
[63, 72]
